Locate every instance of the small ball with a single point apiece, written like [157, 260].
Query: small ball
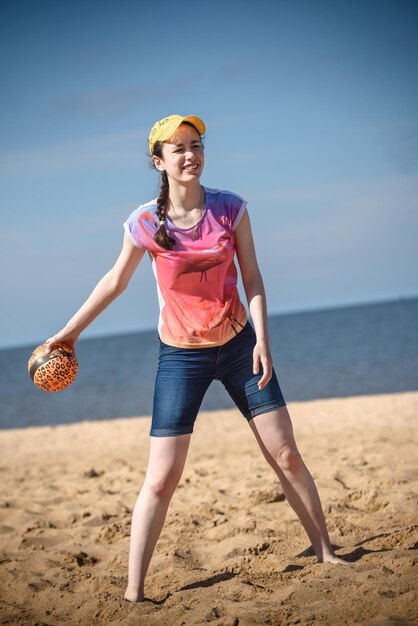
[54, 371]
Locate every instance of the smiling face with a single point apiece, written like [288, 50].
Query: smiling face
[182, 155]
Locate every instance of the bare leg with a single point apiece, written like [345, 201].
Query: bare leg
[274, 433]
[165, 466]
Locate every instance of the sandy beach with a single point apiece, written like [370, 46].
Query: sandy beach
[232, 551]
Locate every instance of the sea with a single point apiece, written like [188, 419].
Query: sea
[343, 351]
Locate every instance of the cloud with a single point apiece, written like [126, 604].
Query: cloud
[405, 151]
[384, 191]
[96, 152]
[117, 101]
[340, 219]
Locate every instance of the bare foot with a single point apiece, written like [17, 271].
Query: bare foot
[133, 595]
[333, 558]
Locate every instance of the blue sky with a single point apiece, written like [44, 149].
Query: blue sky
[311, 111]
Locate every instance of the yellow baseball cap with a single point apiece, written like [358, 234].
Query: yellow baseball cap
[165, 128]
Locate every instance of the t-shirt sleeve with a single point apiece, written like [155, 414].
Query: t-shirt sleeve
[235, 208]
[140, 228]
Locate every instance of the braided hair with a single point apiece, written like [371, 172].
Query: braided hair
[161, 236]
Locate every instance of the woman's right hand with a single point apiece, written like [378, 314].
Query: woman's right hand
[61, 337]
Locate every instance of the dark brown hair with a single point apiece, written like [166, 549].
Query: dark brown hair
[161, 236]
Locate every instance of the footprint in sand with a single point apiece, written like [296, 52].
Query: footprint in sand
[268, 496]
[112, 533]
[93, 473]
[5, 530]
[43, 539]
[81, 558]
[98, 520]
[40, 585]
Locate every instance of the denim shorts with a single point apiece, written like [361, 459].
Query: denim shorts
[184, 375]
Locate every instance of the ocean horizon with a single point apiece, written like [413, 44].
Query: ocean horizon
[358, 349]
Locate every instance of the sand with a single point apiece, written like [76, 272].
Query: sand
[232, 551]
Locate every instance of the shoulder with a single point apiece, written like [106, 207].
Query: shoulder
[223, 195]
[228, 206]
[142, 224]
[147, 207]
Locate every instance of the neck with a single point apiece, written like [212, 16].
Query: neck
[187, 197]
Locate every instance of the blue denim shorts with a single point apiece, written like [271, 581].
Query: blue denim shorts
[184, 375]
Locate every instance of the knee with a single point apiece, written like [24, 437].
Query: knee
[163, 485]
[288, 458]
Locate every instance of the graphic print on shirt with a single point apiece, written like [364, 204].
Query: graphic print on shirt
[197, 279]
[201, 262]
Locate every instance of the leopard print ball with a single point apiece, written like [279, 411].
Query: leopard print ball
[54, 371]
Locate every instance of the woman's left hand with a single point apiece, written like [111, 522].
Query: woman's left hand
[261, 354]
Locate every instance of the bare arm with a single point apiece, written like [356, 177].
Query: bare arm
[107, 289]
[256, 297]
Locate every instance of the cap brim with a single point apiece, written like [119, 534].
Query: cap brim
[164, 129]
[197, 123]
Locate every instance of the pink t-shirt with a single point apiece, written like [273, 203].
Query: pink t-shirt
[197, 280]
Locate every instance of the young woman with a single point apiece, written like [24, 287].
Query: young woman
[191, 233]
